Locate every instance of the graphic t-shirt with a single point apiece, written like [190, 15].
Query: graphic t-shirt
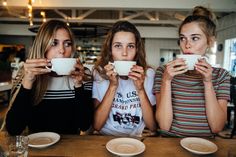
[125, 117]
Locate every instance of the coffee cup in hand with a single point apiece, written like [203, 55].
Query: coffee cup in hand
[190, 59]
[123, 67]
[63, 66]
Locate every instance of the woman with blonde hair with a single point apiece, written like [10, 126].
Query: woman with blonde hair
[192, 102]
[47, 101]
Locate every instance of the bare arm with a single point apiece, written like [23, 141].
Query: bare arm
[138, 76]
[103, 109]
[147, 111]
[164, 111]
[216, 110]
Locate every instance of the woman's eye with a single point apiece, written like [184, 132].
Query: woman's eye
[182, 38]
[117, 46]
[67, 44]
[54, 43]
[131, 46]
[195, 38]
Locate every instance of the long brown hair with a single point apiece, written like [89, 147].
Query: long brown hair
[106, 54]
[39, 49]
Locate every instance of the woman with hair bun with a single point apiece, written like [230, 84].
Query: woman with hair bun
[192, 102]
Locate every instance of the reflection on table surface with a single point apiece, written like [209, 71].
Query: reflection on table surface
[95, 146]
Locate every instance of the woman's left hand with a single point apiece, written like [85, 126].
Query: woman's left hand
[205, 69]
[137, 74]
[78, 73]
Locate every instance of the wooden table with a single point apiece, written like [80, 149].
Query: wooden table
[95, 146]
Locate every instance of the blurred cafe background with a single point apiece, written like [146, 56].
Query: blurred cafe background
[157, 21]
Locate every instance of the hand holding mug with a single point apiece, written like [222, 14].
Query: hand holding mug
[32, 68]
[78, 73]
[138, 76]
[174, 68]
[203, 67]
[111, 74]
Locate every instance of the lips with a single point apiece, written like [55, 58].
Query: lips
[187, 53]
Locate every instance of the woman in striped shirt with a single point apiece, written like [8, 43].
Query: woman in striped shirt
[192, 103]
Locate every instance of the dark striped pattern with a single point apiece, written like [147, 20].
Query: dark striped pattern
[189, 102]
[62, 94]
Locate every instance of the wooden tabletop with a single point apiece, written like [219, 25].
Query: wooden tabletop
[95, 146]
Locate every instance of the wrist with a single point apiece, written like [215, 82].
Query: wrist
[208, 85]
[27, 83]
[113, 87]
[77, 85]
[166, 82]
[140, 90]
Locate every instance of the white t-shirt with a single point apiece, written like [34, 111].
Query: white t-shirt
[125, 117]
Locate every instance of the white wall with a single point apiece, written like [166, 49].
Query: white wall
[153, 47]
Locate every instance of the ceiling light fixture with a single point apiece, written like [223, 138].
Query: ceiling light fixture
[43, 14]
[30, 12]
[4, 2]
[67, 21]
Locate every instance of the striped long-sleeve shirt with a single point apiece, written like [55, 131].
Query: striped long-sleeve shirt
[63, 109]
[188, 101]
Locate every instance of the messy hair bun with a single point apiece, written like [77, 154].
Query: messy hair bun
[205, 19]
[202, 11]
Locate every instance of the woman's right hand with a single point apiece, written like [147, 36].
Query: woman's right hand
[32, 68]
[111, 74]
[173, 68]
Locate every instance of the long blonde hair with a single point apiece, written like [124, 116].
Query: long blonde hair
[39, 49]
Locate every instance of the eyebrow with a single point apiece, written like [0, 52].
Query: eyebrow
[191, 35]
[63, 40]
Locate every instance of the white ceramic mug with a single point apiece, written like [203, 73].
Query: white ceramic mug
[63, 66]
[191, 60]
[123, 67]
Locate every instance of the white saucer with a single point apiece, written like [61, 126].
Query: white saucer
[125, 146]
[43, 139]
[198, 145]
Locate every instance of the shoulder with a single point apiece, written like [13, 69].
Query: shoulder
[150, 72]
[220, 72]
[97, 76]
[160, 69]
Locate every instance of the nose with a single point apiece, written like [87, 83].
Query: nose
[124, 52]
[188, 44]
[61, 49]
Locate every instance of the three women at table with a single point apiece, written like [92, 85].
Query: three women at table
[123, 104]
[46, 101]
[192, 103]
[189, 103]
